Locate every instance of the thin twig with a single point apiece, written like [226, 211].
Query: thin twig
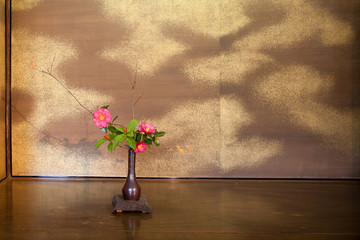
[48, 73]
[133, 85]
[135, 74]
[138, 99]
[132, 101]
[52, 64]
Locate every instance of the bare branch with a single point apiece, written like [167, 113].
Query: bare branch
[138, 99]
[131, 83]
[52, 64]
[63, 85]
[135, 74]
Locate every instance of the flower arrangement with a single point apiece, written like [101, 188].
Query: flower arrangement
[138, 136]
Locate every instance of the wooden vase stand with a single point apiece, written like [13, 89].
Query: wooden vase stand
[121, 205]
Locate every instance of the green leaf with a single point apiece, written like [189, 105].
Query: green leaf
[138, 137]
[112, 129]
[118, 139]
[110, 147]
[120, 129]
[148, 141]
[112, 136]
[160, 134]
[101, 141]
[132, 125]
[131, 142]
[105, 107]
[157, 144]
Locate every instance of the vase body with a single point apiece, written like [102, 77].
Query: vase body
[131, 189]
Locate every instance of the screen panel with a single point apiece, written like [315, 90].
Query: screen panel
[244, 89]
[2, 91]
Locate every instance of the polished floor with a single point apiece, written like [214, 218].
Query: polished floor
[182, 209]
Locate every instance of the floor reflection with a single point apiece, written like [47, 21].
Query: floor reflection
[182, 209]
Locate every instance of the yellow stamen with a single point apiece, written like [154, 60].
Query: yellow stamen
[102, 117]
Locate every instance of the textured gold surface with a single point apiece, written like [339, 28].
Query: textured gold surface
[2, 91]
[295, 91]
[209, 128]
[44, 154]
[24, 5]
[243, 152]
[146, 51]
[213, 18]
[303, 20]
[149, 47]
[242, 88]
[228, 67]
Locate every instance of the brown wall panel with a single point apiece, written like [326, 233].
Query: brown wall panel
[242, 88]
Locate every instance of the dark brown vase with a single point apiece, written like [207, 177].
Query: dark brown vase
[131, 190]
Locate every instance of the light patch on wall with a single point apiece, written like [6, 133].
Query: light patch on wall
[334, 126]
[213, 18]
[146, 50]
[48, 54]
[229, 67]
[211, 128]
[295, 91]
[53, 157]
[245, 153]
[24, 5]
[249, 152]
[303, 21]
[233, 117]
[195, 124]
[50, 101]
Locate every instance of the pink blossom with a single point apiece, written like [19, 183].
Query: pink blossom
[140, 147]
[146, 128]
[101, 117]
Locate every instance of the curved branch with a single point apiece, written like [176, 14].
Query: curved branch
[68, 90]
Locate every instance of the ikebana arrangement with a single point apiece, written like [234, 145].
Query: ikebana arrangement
[135, 136]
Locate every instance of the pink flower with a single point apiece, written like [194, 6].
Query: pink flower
[140, 147]
[101, 117]
[146, 128]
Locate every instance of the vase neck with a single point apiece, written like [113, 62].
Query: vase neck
[131, 163]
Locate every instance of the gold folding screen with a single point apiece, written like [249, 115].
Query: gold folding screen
[242, 88]
[2, 91]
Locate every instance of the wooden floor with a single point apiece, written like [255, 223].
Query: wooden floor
[182, 209]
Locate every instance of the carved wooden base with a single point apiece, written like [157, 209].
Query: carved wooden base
[122, 205]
